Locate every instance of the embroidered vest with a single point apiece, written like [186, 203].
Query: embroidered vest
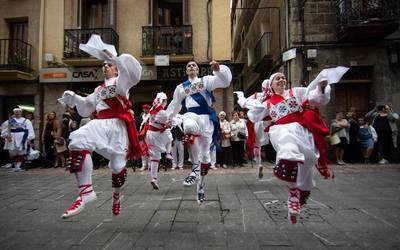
[283, 108]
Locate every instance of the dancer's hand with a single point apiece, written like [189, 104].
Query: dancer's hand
[9, 138]
[214, 65]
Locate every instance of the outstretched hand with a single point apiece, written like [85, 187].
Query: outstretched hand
[214, 65]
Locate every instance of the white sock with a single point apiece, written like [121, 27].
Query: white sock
[154, 169]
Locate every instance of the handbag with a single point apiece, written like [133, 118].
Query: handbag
[334, 139]
[241, 136]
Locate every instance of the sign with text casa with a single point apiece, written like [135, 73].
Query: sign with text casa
[85, 74]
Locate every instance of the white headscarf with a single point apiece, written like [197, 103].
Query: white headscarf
[160, 97]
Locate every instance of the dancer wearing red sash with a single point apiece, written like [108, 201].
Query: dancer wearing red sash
[297, 132]
[157, 136]
[113, 134]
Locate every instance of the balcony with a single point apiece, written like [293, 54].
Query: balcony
[263, 57]
[366, 19]
[73, 37]
[167, 40]
[15, 60]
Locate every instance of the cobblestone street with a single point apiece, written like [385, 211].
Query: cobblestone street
[359, 209]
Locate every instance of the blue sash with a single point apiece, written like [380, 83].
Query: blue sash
[204, 109]
[25, 131]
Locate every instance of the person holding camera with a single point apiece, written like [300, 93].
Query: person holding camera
[238, 139]
[384, 121]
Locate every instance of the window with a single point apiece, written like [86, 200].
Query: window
[168, 12]
[97, 13]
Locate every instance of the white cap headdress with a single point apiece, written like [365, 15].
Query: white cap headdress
[160, 97]
[17, 109]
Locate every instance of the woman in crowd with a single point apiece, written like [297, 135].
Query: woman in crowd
[366, 136]
[238, 139]
[51, 131]
[384, 122]
[225, 155]
[340, 127]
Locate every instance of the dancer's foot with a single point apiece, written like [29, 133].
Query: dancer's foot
[293, 205]
[116, 207]
[154, 183]
[190, 179]
[79, 204]
[200, 198]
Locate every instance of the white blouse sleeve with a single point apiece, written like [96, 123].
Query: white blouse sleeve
[220, 79]
[31, 132]
[176, 104]
[257, 112]
[85, 105]
[129, 71]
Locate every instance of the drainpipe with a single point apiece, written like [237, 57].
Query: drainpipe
[209, 56]
[304, 73]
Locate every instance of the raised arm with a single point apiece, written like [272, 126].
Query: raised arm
[129, 71]
[221, 77]
[318, 92]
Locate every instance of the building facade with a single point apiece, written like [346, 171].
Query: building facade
[162, 34]
[302, 37]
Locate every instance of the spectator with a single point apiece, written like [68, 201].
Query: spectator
[350, 151]
[177, 143]
[74, 115]
[51, 131]
[238, 139]
[340, 127]
[225, 154]
[65, 123]
[366, 136]
[384, 122]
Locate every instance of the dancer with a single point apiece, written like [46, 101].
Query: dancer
[257, 138]
[200, 123]
[157, 136]
[113, 134]
[297, 132]
[17, 132]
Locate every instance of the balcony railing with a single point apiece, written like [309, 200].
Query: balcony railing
[73, 37]
[262, 52]
[167, 40]
[15, 54]
[365, 12]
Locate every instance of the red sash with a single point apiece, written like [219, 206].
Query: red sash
[117, 110]
[251, 138]
[311, 120]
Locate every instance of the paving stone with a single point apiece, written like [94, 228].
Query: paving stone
[241, 212]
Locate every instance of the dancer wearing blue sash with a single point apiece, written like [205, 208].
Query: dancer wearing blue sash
[200, 119]
[17, 132]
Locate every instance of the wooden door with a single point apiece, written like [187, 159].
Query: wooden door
[352, 95]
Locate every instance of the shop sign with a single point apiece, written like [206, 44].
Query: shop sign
[178, 72]
[289, 55]
[87, 74]
[149, 73]
[55, 75]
